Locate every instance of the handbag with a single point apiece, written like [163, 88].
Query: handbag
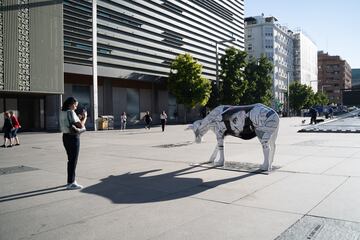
[73, 129]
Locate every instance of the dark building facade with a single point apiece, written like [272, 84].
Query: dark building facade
[31, 61]
[352, 96]
[355, 78]
[334, 76]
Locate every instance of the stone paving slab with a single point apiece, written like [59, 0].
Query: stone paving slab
[343, 203]
[315, 228]
[297, 193]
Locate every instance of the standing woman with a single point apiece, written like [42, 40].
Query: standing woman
[71, 139]
[7, 128]
[163, 118]
[123, 119]
[148, 120]
[16, 126]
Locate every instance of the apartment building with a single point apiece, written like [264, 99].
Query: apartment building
[264, 35]
[334, 76]
[305, 60]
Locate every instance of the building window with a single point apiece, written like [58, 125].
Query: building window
[133, 103]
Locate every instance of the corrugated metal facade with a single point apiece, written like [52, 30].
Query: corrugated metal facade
[32, 46]
[139, 38]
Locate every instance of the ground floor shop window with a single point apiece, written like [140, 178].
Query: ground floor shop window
[133, 104]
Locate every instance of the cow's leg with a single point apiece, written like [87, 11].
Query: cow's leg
[273, 146]
[220, 147]
[266, 166]
[214, 154]
[267, 141]
[264, 138]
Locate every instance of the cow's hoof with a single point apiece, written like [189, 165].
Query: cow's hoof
[265, 168]
[218, 164]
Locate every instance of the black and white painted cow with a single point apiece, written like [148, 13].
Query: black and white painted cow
[244, 122]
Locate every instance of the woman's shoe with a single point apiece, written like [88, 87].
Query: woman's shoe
[73, 186]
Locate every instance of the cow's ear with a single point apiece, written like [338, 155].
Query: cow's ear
[189, 127]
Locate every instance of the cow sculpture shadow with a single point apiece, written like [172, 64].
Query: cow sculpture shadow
[139, 188]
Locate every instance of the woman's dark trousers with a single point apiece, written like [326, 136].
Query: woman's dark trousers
[163, 124]
[72, 147]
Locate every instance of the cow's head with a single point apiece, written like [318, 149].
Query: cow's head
[199, 129]
[237, 121]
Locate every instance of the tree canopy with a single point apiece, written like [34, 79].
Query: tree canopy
[258, 74]
[302, 96]
[232, 74]
[186, 83]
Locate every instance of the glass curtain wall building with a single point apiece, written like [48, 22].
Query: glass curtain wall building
[136, 42]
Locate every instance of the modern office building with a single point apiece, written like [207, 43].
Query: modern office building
[31, 61]
[136, 42]
[305, 60]
[351, 97]
[46, 53]
[334, 75]
[263, 35]
[355, 78]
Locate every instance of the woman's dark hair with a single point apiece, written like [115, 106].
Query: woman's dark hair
[68, 102]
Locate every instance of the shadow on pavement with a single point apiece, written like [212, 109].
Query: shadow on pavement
[139, 188]
[32, 193]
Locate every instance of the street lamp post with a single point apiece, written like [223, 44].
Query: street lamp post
[288, 94]
[94, 66]
[217, 64]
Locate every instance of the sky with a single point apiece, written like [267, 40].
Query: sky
[333, 25]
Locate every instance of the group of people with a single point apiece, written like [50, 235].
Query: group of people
[10, 129]
[72, 125]
[147, 119]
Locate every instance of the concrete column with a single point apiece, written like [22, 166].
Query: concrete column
[95, 78]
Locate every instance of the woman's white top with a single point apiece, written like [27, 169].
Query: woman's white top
[67, 117]
[163, 116]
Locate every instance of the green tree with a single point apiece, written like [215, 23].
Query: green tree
[214, 96]
[232, 75]
[321, 99]
[258, 74]
[300, 96]
[186, 83]
[311, 100]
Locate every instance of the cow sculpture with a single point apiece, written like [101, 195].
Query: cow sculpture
[244, 122]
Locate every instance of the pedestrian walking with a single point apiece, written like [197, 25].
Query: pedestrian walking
[7, 128]
[163, 119]
[148, 120]
[71, 127]
[123, 119]
[16, 127]
[313, 115]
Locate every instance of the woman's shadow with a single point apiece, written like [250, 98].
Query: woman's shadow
[139, 188]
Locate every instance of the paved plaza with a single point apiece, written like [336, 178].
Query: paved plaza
[142, 184]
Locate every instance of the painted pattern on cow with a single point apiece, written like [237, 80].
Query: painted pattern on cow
[245, 122]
